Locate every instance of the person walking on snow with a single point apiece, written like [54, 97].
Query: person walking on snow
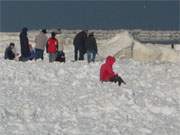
[41, 41]
[91, 48]
[79, 45]
[52, 47]
[107, 74]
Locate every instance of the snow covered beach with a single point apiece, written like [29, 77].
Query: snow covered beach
[42, 98]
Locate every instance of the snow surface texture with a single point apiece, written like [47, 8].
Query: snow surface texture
[42, 98]
[38, 98]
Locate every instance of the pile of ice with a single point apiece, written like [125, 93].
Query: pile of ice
[151, 52]
[41, 98]
[123, 45]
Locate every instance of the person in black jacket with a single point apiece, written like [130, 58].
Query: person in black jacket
[9, 53]
[24, 42]
[91, 47]
[79, 45]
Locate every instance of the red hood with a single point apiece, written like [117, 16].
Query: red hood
[110, 60]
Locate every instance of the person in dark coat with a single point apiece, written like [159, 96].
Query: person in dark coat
[24, 42]
[91, 48]
[79, 45]
[9, 54]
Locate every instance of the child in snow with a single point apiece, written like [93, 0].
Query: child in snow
[107, 73]
[52, 47]
[9, 53]
[32, 52]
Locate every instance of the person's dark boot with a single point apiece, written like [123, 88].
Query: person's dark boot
[122, 81]
[119, 83]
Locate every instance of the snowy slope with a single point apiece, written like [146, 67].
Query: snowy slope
[68, 99]
[41, 98]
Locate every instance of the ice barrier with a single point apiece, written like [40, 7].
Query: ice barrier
[123, 45]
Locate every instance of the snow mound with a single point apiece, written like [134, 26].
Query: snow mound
[151, 52]
[115, 44]
[123, 45]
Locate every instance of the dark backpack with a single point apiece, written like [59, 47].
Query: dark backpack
[60, 56]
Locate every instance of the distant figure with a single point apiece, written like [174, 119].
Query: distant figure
[91, 48]
[107, 73]
[79, 45]
[24, 42]
[52, 47]
[172, 46]
[9, 53]
[32, 52]
[41, 41]
[60, 53]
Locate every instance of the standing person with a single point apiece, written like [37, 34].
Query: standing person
[24, 42]
[107, 73]
[91, 47]
[52, 47]
[9, 53]
[79, 45]
[41, 41]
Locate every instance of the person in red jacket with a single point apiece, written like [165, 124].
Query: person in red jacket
[52, 47]
[107, 73]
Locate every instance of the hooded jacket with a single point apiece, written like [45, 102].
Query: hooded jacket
[91, 44]
[25, 51]
[106, 70]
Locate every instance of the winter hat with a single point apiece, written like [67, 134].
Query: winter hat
[44, 31]
[25, 29]
[11, 44]
[53, 34]
[91, 34]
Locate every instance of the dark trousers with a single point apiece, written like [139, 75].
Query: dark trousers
[117, 79]
[80, 52]
[24, 59]
[91, 55]
[39, 54]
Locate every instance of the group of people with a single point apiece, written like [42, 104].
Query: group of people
[53, 47]
[83, 43]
